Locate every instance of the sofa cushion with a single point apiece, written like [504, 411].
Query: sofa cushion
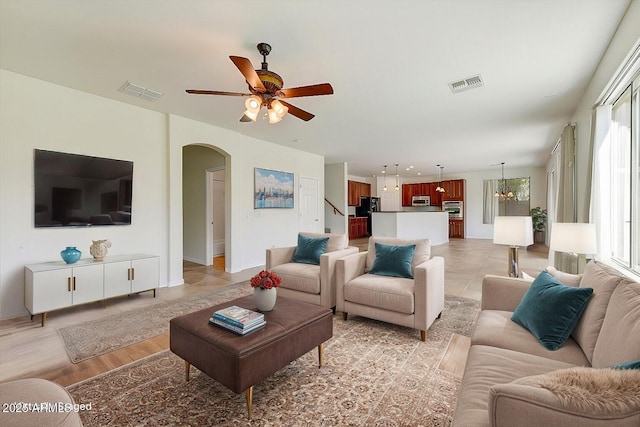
[336, 241]
[393, 260]
[299, 277]
[550, 310]
[495, 328]
[421, 254]
[568, 397]
[389, 293]
[566, 278]
[309, 249]
[619, 339]
[487, 366]
[603, 280]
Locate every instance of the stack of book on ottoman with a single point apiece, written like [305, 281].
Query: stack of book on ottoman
[238, 320]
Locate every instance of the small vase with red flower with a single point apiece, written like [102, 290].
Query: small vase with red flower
[264, 289]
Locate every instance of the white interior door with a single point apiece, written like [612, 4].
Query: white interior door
[215, 227]
[309, 209]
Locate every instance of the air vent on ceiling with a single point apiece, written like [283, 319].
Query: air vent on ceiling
[140, 91]
[466, 84]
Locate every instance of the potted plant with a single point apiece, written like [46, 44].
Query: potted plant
[539, 219]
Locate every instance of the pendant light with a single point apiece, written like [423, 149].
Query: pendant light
[397, 179]
[385, 178]
[503, 192]
[439, 188]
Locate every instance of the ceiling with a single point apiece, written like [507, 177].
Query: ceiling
[389, 62]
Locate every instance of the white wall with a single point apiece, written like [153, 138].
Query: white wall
[37, 114]
[252, 230]
[626, 38]
[335, 183]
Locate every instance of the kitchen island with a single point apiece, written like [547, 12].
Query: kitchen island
[412, 225]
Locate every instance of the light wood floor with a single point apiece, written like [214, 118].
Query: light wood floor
[28, 350]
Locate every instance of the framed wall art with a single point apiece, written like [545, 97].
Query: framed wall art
[273, 189]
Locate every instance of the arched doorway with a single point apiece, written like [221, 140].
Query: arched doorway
[202, 204]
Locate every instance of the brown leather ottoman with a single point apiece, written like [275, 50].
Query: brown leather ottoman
[293, 329]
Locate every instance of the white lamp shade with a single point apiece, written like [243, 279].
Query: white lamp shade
[576, 237]
[277, 111]
[253, 105]
[513, 230]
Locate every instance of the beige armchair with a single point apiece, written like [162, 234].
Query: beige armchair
[308, 282]
[414, 303]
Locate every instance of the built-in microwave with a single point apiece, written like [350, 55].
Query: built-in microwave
[453, 207]
[421, 201]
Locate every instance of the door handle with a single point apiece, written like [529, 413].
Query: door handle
[133, 274]
[68, 284]
[74, 283]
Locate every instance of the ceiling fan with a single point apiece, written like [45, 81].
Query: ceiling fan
[266, 90]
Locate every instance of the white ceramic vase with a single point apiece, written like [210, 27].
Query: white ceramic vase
[99, 249]
[265, 299]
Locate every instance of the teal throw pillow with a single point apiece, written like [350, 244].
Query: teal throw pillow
[309, 249]
[551, 310]
[393, 261]
[628, 365]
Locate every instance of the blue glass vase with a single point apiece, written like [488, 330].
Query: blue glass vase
[71, 254]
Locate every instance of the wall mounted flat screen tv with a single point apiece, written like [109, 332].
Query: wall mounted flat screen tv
[72, 190]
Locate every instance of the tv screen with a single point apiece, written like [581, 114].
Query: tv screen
[72, 190]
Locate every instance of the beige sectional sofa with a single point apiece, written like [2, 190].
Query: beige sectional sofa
[510, 379]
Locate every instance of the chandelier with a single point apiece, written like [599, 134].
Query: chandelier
[439, 188]
[503, 191]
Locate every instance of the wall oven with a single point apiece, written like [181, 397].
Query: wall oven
[454, 208]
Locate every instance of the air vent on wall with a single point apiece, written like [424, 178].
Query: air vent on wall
[140, 91]
[466, 84]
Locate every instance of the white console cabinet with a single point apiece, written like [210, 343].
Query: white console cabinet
[54, 285]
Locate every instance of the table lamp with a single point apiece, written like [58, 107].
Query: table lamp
[514, 231]
[575, 238]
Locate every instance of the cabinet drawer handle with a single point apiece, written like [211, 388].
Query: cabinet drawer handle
[74, 283]
[68, 284]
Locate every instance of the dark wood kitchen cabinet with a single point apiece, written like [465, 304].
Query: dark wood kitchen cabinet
[453, 189]
[456, 229]
[436, 196]
[358, 227]
[355, 190]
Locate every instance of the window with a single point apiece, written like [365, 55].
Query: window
[620, 179]
[518, 205]
[621, 225]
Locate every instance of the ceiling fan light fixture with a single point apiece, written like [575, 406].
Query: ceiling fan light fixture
[277, 111]
[253, 105]
[280, 109]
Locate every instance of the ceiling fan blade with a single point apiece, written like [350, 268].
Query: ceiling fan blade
[313, 90]
[246, 68]
[216, 92]
[299, 113]
[245, 119]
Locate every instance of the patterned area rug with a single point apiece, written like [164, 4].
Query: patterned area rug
[90, 339]
[374, 374]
